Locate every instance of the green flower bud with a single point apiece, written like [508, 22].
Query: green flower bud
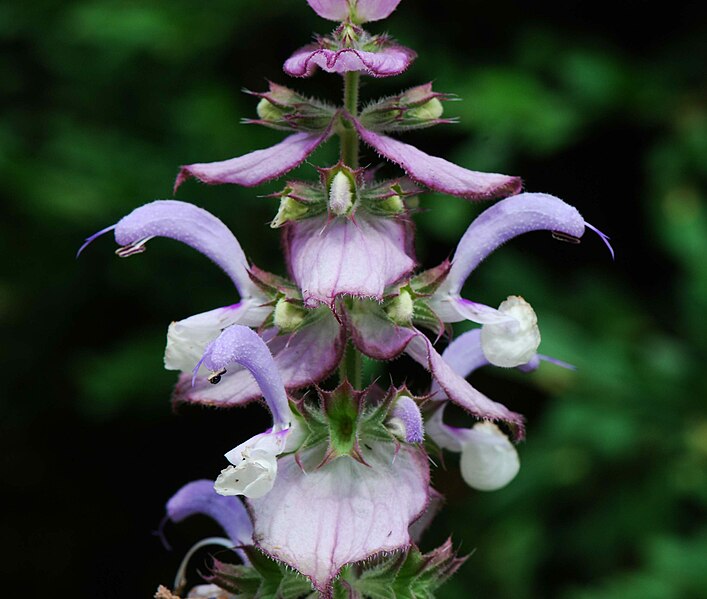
[288, 316]
[267, 111]
[430, 110]
[393, 204]
[289, 210]
[400, 308]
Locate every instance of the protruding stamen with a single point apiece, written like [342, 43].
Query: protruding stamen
[560, 236]
[137, 247]
[604, 238]
[340, 194]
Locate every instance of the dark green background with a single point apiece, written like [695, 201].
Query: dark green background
[599, 103]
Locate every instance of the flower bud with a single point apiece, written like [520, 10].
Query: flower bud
[288, 316]
[406, 421]
[267, 111]
[510, 344]
[430, 110]
[340, 194]
[392, 205]
[289, 210]
[400, 309]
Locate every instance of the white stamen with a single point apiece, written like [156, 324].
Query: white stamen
[340, 194]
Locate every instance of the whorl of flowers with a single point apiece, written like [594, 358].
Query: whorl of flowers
[342, 476]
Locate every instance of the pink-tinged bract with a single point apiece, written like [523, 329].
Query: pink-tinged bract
[318, 521]
[359, 256]
[439, 174]
[364, 10]
[388, 61]
[257, 167]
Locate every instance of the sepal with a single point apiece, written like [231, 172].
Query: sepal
[264, 577]
[285, 109]
[416, 108]
[428, 281]
[408, 574]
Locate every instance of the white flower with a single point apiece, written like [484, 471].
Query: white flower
[489, 460]
[514, 343]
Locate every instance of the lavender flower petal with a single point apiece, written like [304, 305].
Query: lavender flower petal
[437, 173]
[199, 497]
[187, 339]
[504, 221]
[193, 226]
[302, 358]
[243, 345]
[387, 62]
[343, 256]
[343, 512]
[257, 167]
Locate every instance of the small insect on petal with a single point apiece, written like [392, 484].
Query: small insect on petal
[215, 377]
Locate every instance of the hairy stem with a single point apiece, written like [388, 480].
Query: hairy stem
[349, 136]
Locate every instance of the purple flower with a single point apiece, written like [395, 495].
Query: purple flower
[254, 462]
[199, 497]
[489, 461]
[304, 354]
[359, 11]
[509, 335]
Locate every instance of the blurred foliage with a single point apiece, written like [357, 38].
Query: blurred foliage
[104, 99]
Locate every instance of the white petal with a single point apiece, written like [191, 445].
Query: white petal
[187, 339]
[489, 460]
[515, 344]
[253, 477]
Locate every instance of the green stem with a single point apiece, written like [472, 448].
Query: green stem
[349, 136]
[351, 367]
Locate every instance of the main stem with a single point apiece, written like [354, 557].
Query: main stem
[349, 136]
[351, 366]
